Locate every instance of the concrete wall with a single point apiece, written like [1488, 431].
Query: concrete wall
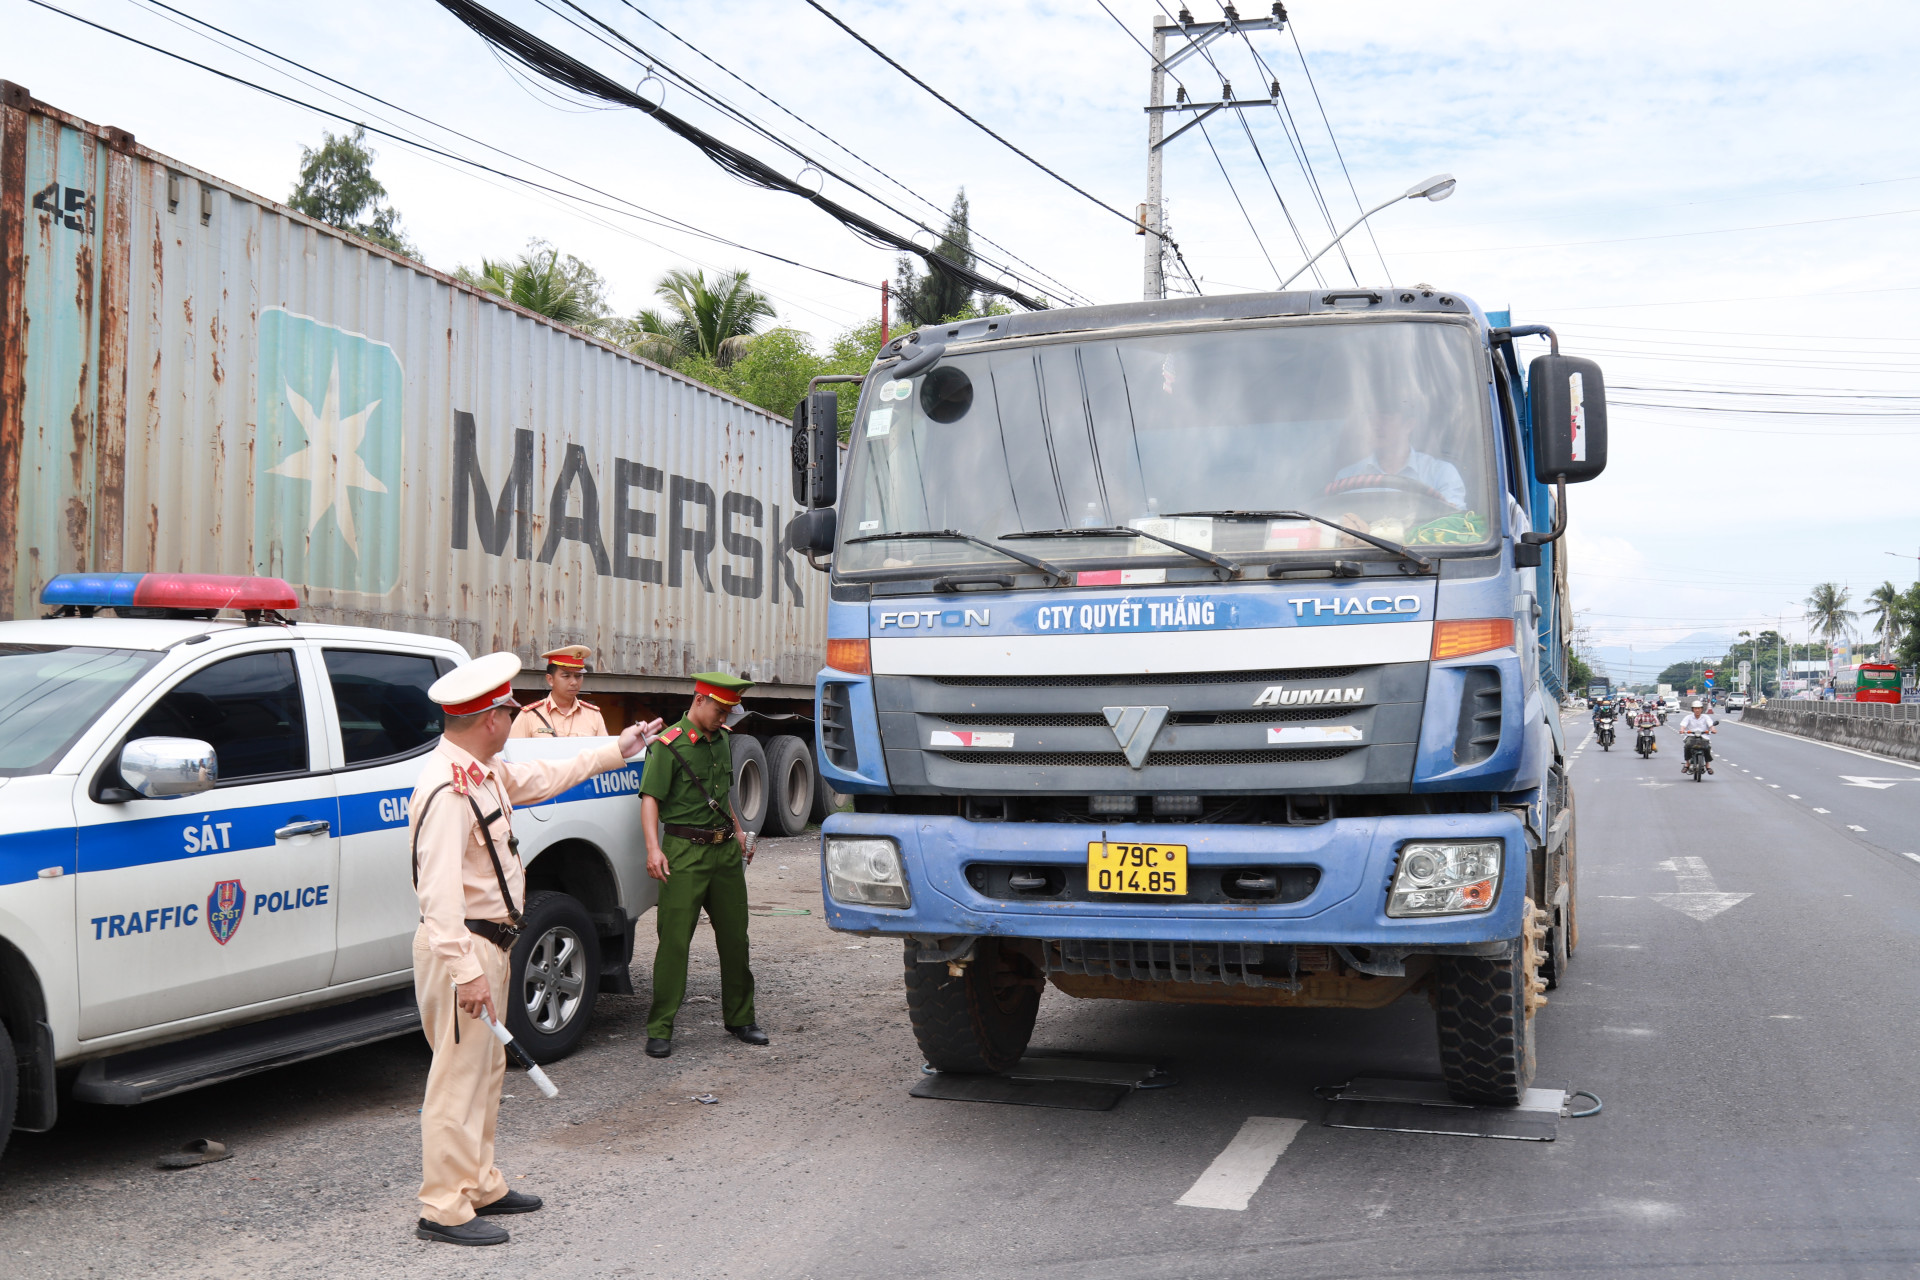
[1863, 727]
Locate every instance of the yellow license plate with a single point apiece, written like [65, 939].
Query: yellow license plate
[1152, 870]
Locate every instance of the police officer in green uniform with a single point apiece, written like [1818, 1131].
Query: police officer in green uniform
[700, 861]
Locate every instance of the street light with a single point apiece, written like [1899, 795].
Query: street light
[1438, 187]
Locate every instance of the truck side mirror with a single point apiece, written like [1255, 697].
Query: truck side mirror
[1569, 400]
[813, 531]
[816, 450]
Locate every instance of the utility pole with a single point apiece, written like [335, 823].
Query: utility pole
[1197, 36]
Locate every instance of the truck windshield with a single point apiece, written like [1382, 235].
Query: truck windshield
[51, 694]
[1380, 426]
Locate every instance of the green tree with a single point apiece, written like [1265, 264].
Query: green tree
[934, 297]
[543, 280]
[1828, 613]
[1579, 674]
[1883, 606]
[337, 187]
[1907, 652]
[714, 321]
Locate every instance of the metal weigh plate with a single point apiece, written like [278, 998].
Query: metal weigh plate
[1421, 1105]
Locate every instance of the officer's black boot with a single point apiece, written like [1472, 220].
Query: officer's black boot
[657, 1048]
[748, 1034]
[473, 1231]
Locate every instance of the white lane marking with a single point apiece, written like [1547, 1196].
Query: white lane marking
[1792, 796]
[1817, 810]
[1876, 784]
[1237, 1172]
[1774, 785]
[1912, 856]
[1785, 1017]
[1698, 897]
[1834, 746]
[1851, 827]
[1629, 1031]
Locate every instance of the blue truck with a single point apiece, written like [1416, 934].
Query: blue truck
[1206, 650]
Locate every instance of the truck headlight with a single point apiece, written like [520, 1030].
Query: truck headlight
[1445, 878]
[865, 871]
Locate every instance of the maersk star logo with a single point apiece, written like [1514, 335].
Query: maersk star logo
[330, 464]
[328, 489]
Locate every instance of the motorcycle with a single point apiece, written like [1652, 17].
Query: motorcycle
[1697, 755]
[1603, 729]
[1644, 743]
[1663, 717]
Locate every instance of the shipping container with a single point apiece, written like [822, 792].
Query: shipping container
[195, 378]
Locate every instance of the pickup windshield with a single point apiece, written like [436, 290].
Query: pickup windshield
[51, 694]
[1382, 427]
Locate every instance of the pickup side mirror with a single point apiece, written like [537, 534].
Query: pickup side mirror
[816, 450]
[1569, 400]
[161, 767]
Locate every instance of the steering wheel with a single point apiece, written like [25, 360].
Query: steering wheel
[1380, 498]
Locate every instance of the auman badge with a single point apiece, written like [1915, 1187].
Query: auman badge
[225, 905]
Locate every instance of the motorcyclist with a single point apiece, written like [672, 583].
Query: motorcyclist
[1646, 722]
[1698, 721]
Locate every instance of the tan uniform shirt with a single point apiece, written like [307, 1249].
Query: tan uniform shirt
[582, 720]
[455, 876]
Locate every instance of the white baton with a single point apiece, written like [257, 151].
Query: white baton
[546, 1087]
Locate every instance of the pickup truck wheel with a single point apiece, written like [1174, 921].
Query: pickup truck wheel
[555, 976]
[979, 1022]
[791, 785]
[1484, 1009]
[9, 1086]
[749, 797]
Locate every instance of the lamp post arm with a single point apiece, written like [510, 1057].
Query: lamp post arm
[1337, 239]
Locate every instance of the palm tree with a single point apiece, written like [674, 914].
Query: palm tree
[1828, 614]
[1883, 606]
[539, 281]
[712, 319]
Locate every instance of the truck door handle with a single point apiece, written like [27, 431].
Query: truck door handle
[319, 827]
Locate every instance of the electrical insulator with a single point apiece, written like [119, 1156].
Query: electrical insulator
[1226, 91]
[1273, 90]
[1279, 12]
[1180, 94]
[1232, 14]
[1186, 18]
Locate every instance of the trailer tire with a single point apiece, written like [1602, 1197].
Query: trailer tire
[826, 801]
[9, 1086]
[792, 785]
[1484, 1017]
[554, 976]
[979, 1022]
[750, 791]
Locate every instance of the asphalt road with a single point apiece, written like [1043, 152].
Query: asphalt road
[1742, 1000]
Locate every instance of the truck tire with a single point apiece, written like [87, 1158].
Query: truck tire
[9, 1087]
[750, 798]
[555, 976]
[1483, 1010]
[979, 1022]
[791, 785]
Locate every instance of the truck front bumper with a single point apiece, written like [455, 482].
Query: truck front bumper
[1354, 856]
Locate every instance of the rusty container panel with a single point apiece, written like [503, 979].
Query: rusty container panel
[213, 383]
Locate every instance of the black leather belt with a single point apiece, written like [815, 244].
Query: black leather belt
[700, 835]
[500, 935]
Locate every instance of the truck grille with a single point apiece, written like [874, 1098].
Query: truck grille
[1113, 759]
[1233, 964]
[1123, 681]
[1096, 720]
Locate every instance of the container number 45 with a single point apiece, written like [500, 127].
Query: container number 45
[76, 212]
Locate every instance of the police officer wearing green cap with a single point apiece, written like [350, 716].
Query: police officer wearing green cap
[700, 860]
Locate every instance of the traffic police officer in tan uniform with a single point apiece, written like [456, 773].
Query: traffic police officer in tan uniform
[467, 872]
[562, 713]
[700, 861]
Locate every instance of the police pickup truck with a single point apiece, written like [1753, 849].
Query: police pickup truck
[204, 868]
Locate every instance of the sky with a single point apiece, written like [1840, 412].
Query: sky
[1718, 202]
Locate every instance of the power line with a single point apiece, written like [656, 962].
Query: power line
[1669, 235]
[1069, 291]
[1354, 191]
[538, 55]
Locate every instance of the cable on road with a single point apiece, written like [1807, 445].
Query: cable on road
[1593, 1110]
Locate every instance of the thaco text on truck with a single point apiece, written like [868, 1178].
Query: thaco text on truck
[1207, 650]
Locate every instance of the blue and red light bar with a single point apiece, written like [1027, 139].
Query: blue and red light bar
[196, 592]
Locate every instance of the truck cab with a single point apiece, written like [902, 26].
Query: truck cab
[1208, 650]
[204, 868]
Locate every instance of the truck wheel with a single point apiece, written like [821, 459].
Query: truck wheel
[791, 785]
[9, 1086]
[979, 1022]
[555, 976]
[750, 784]
[1484, 1009]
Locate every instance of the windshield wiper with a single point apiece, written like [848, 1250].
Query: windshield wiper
[1232, 568]
[1058, 574]
[1412, 557]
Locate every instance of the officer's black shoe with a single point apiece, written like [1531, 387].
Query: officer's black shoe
[658, 1048]
[472, 1231]
[512, 1202]
[749, 1034]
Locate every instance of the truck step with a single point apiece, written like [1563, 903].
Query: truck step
[145, 1074]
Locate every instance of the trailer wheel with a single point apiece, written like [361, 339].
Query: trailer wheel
[826, 801]
[1484, 1009]
[554, 976]
[791, 785]
[749, 783]
[979, 1022]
